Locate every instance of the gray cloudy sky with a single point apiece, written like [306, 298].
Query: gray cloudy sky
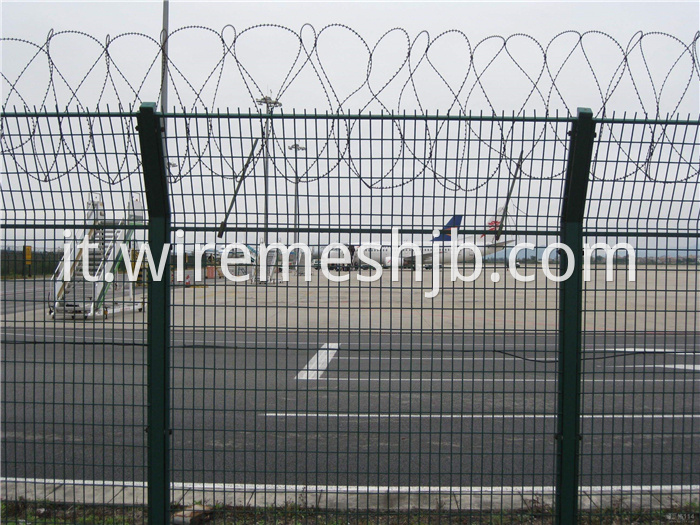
[268, 54]
[32, 20]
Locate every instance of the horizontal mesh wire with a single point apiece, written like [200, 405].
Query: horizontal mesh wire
[310, 399]
[73, 353]
[640, 424]
[365, 398]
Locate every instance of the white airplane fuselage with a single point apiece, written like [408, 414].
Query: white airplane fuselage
[383, 255]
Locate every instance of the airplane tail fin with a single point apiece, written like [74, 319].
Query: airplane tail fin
[446, 231]
[495, 226]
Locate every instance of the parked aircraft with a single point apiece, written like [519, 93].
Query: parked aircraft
[486, 243]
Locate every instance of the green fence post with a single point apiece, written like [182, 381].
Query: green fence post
[570, 307]
[153, 163]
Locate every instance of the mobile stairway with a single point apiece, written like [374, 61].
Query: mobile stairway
[102, 291]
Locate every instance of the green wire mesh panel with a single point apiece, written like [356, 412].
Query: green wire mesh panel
[307, 397]
[73, 359]
[640, 385]
[310, 389]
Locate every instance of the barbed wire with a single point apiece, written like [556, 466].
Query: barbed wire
[335, 70]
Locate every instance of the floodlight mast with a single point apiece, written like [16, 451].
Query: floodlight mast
[270, 104]
[164, 59]
[296, 148]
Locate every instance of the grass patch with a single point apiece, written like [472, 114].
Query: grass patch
[45, 512]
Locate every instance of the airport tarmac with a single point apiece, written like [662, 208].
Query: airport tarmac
[662, 298]
[349, 395]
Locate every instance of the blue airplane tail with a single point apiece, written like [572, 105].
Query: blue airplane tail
[445, 232]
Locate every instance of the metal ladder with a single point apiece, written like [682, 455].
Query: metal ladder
[76, 296]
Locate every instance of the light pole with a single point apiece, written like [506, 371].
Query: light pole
[164, 59]
[297, 148]
[270, 104]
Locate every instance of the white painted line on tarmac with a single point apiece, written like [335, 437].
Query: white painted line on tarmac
[368, 489]
[694, 368]
[653, 350]
[330, 415]
[318, 363]
[632, 379]
[468, 359]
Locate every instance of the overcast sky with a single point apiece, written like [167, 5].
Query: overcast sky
[268, 55]
[32, 20]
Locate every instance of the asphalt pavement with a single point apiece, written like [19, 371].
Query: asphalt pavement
[412, 407]
[360, 410]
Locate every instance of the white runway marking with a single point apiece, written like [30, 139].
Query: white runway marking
[321, 415]
[695, 368]
[681, 353]
[331, 415]
[671, 350]
[467, 359]
[318, 363]
[500, 379]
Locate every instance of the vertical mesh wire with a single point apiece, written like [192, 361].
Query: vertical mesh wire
[73, 369]
[311, 399]
[365, 399]
[640, 398]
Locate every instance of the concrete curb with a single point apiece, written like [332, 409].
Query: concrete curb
[348, 497]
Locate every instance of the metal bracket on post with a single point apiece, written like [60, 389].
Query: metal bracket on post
[570, 312]
[151, 138]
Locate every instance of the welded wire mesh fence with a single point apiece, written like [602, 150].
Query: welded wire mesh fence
[73, 351]
[323, 388]
[639, 376]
